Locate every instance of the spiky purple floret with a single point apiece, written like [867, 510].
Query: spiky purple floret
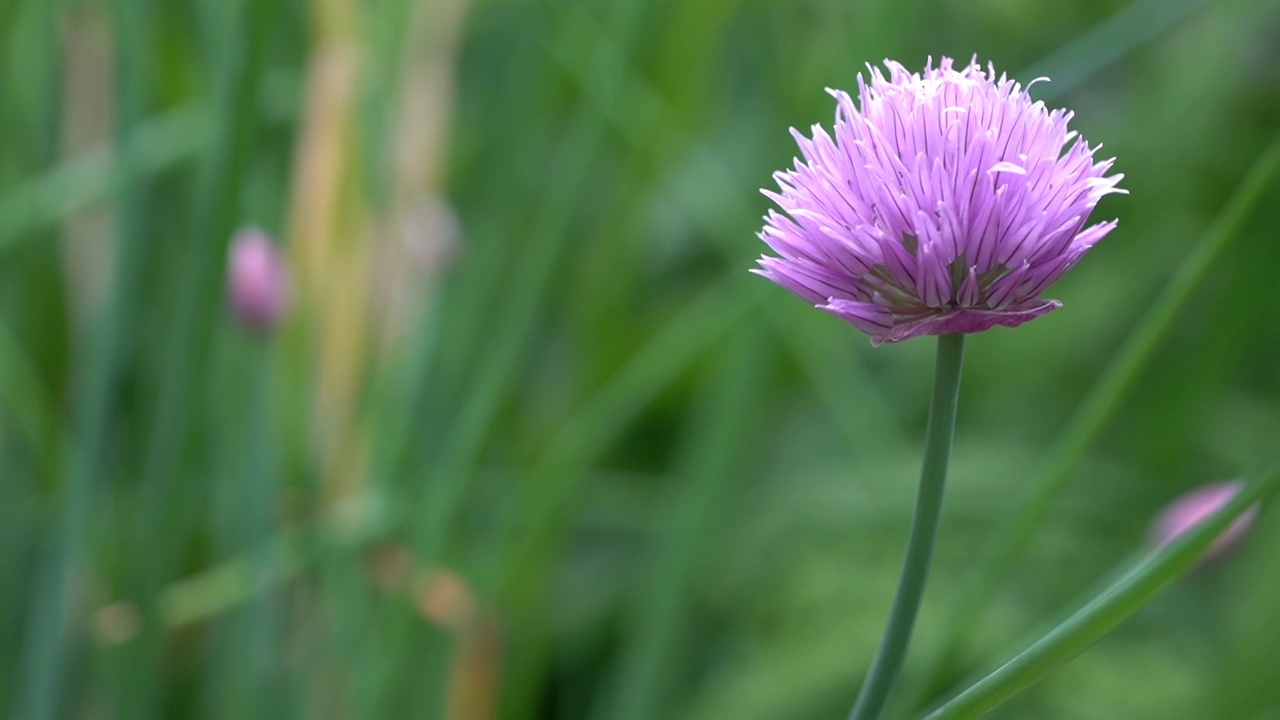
[944, 201]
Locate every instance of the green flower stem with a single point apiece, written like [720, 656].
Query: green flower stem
[1113, 605]
[924, 527]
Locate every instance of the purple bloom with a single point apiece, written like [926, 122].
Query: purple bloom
[1191, 509]
[257, 280]
[944, 202]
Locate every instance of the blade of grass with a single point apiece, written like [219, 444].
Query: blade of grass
[262, 638]
[49, 639]
[245, 670]
[541, 500]
[1136, 24]
[546, 241]
[432, 372]
[221, 688]
[653, 128]
[31, 120]
[388, 33]
[530, 522]
[719, 453]
[228, 585]
[184, 353]
[595, 424]
[1114, 605]
[670, 351]
[453, 328]
[152, 146]
[32, 32]
[445, 482]
[28, 402]
[410, 42]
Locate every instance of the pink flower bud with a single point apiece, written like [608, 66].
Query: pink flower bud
[1190, 509]
[257, 280]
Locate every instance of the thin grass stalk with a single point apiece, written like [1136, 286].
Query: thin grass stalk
[28, 403]
[1110, 40]
[547, 239]
[415, 85]
[49, 641]
[187, 343]
[27, 408]
[531, 522]
[445, 481]
[228, 586]
[153, 145]
[474, 289]
[719, 454]
[327, 351]
[252, 659]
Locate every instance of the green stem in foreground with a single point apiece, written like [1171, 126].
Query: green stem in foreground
[924, 527]
[1120, 601]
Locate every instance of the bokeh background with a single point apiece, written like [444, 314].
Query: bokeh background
[530, 442]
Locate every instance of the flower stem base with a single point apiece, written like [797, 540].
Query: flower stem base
[924, 527]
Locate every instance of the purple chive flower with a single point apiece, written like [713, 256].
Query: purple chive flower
[1190, 509]
[257, 280]
[944, 202]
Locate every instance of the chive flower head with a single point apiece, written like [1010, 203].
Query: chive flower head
[942, 202]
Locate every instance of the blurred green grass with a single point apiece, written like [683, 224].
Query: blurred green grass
[580, 464]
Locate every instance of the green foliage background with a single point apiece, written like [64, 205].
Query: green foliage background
[641, 482]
